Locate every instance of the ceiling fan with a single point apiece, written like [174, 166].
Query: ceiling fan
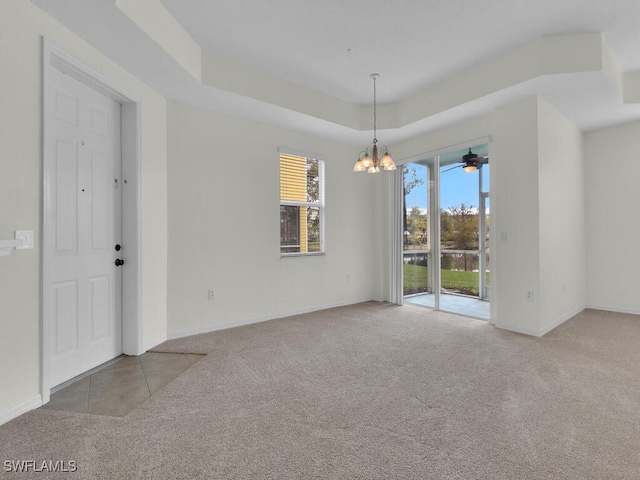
[470, 162]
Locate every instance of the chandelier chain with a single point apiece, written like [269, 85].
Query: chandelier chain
[375, 119]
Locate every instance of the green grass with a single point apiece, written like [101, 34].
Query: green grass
[465, 282]
[415, 280]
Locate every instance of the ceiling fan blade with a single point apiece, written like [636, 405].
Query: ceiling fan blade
[449, 169]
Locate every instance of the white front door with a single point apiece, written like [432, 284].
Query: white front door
[83, 189]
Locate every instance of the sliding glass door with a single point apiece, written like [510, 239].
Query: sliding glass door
[446, 232]
[417, 230]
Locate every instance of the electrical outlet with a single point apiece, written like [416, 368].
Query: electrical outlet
[211, 294]
[347, 277]
[530, 295]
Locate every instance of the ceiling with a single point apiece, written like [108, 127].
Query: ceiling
[331, 47]
[334, 45]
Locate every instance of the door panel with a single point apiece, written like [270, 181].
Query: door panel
[99, 301]
[65, 297]
[65, 106]
[65, 205]
[417, 228]
[99, 202]
[84, 178]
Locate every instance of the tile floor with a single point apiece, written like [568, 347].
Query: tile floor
[117, 389]
[467, 306]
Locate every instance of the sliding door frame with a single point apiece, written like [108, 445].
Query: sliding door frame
[395, 227]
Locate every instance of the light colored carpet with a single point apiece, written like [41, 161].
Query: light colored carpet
[366, 392]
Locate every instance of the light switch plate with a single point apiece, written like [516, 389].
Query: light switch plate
[26, 236]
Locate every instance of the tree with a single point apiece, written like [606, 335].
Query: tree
[417, 225]
[446, 233]
[462, 231]
[313, 180]
[313, 195]
[410, 181]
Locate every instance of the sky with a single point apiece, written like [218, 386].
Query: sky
[456, 187]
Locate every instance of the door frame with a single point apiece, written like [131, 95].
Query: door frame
[54, 57]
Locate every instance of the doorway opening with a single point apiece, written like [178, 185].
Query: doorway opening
[445, 229]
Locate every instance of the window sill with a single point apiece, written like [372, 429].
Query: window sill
[307, 254]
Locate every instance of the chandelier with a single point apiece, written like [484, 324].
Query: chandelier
[371, 163]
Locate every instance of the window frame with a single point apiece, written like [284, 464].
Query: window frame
[320, 205]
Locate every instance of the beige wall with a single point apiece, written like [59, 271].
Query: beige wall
[22, 26]
[224, 228]
[563, 272]
[612, 227]
[514, 216]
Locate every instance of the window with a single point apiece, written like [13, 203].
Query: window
[301, 205]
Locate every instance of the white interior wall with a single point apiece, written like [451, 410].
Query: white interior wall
[612, 197]
[153, 125]
[224, 225]
[471, 129]
[514, 216]
[562, 217]
[22, 26]
[381, 183]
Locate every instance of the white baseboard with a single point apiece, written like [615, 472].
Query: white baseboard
[18, 410]
[250, 321]
[540, 332]
[608, 308]
[524, 331]
[560, 321]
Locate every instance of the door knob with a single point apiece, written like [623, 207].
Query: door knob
[119, 262]
[118, 247]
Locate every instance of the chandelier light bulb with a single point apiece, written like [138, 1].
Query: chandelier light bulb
[386, 162]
